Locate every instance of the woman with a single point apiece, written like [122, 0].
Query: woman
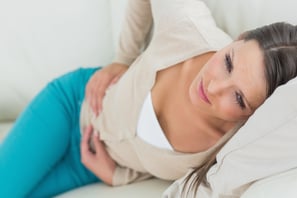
[189, 89]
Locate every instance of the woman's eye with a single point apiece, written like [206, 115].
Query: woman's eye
[228, 63]
[239, 100]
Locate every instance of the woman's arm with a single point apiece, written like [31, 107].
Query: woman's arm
[99, 83]
[102, 165]
[98, 161]
[133, 38]
[135, 31]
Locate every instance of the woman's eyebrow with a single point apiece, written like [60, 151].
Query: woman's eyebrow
[232, 55]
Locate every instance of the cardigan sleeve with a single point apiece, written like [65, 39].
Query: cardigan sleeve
[135, 31]
[125, 175]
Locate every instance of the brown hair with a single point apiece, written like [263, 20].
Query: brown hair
[278, 42]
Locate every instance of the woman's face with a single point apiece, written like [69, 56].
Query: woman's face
[232, 84]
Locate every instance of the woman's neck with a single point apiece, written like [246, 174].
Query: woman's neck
[186, 129]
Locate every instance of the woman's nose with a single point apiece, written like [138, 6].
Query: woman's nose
[217, 86]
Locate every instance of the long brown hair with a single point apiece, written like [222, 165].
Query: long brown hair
[278, 42]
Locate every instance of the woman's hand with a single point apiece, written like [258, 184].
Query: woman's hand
[97, 161]
[100, 81]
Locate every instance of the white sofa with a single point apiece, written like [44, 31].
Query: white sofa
[40, 40]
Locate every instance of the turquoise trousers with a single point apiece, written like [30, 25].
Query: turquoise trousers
[40, 157]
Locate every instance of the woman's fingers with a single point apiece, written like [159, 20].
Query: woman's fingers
[97, 87]
[86, 154]
[86, 136]
[100, 82]
[99, 161]
[98, 145]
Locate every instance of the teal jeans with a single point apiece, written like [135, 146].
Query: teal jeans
[40, 157]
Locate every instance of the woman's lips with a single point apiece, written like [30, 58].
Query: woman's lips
[202, 93]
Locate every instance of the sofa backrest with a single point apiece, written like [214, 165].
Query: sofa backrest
[40, 40]
[235, 16]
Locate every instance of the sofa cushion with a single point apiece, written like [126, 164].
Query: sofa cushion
[280, 185]
[145, 189]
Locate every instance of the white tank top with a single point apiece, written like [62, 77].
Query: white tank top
[148, 127]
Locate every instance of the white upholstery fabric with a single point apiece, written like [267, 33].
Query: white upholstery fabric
[145, 189]
[235, 16]
[40, 40]
[43, 39]
[279, 185]
[4, 128]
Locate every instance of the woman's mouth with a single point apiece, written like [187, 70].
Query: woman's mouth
[201, 93]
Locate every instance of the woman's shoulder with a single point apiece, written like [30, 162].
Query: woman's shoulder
[187, 24]
[168, 12]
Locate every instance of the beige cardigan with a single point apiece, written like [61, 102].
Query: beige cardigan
[182, 29]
